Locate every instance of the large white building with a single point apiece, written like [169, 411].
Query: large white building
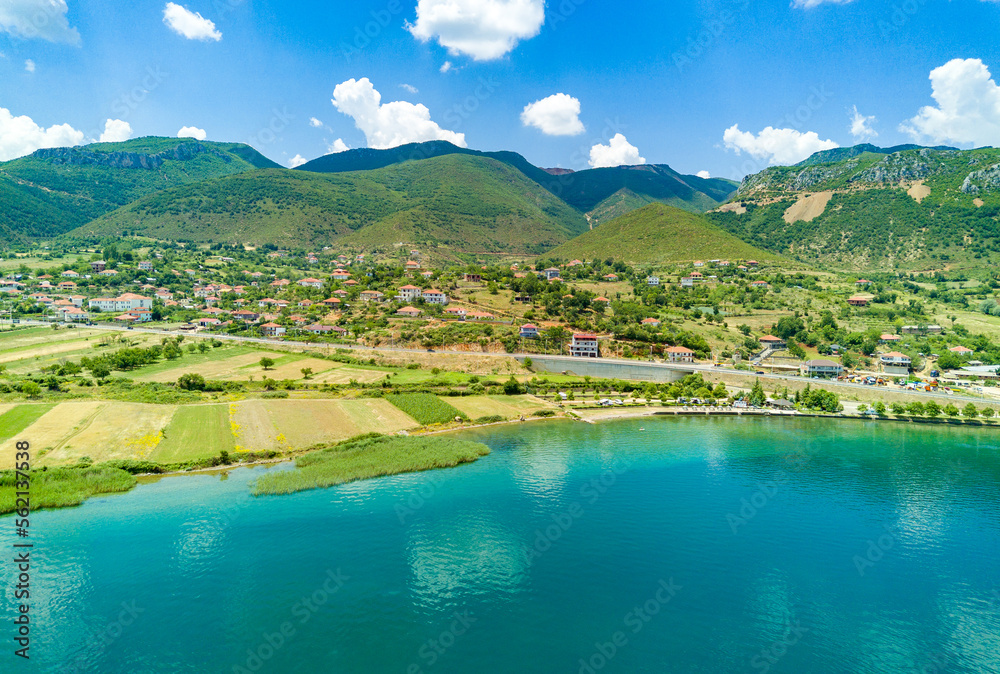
[121, 303]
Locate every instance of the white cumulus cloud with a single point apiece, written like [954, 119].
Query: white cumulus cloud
[861, 126]
[409, 87]
[29, 66]
[482, 29]
[618, 152]
[556, 115]
[388, 124]
[191, 25]
[43, 19]
[703, 174]
[337, 146]
[20, 135]
[778, 146]
[115, 131]
[968, 106]
[445, 67]
[315, 123]
[297, 160]
[192, 132]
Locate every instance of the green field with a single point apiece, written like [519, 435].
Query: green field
[195, 432]
[506, 406]
[14, 421]
[426, 408]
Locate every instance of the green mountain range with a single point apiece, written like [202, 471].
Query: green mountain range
[52, 191]
[431, 193]
[863, 208]
[600, 193]
[459, 202]
[658, 234]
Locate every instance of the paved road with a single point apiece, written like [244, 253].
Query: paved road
[569, 360]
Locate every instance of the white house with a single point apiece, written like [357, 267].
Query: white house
[652, 280]
[408, 293]
[679, 354]
[434, 297]
[529, 331]
[895, 362]
[584, 345]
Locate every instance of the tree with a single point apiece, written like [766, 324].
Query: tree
[202, 347]
[757, 395]
[899, 409]
[31, 389]
[933, 409]
[951, 410]
[948, 361]
[987, 413]
[915, 409]
[512, 387]
[191, 382]
[970, 411]
[266, 362]
[880, 408]
[100, 371]
[306, 372]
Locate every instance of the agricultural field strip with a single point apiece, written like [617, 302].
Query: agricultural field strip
[52, 429]
[118, 431]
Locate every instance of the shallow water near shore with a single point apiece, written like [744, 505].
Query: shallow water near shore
[693, 545]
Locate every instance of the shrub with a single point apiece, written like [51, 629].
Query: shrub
[275, 394]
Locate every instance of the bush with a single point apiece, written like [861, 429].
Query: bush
[492, 419]
[275, 394]
[544, 413]
[191, 381]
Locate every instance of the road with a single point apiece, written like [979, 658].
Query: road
[569, 360]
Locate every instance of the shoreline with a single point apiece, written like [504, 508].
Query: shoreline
[611, 415]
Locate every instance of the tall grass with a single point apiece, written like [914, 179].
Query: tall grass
[62, 487]
[426, 408]
[369, 456]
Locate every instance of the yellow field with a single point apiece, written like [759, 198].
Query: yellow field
[107, 430]
[52, 430]
[289, 370]
[253, 428]
[345, 373]
[505, 406]
[242, 367]
[119, 431]
[224, 368]
[284, 424]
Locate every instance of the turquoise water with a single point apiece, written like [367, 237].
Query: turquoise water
[695, 545]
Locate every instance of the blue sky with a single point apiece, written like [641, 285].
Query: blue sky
[726, 87]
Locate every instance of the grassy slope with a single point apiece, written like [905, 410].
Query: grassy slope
[45, 195]
[871, 224]
[658, 234]
[468, 203]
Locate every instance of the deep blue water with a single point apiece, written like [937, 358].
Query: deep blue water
[695, 545]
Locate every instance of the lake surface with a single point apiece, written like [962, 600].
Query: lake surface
[694, 545]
